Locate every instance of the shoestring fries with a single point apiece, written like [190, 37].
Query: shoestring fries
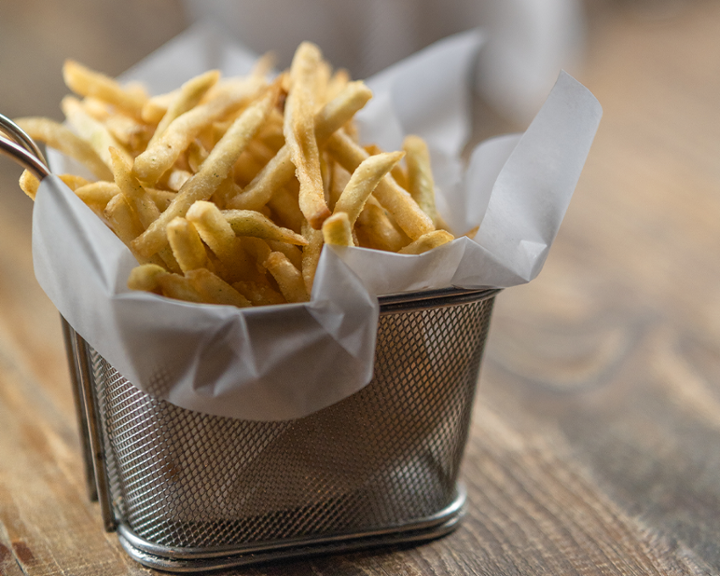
[227, 189]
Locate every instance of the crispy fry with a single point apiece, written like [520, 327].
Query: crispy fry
[252, 223]
[177, 178]
[97, 194]
[337, 82]
[146, 277]
[363, 181]
[157, 106]
[30, 184]
[180, 288]
[427, 242]
[284, 206]
[92, 130]
[259, 293]
[99, 109]
[63, 139]
[300, 133]
[394, 199]
[213, 171]
[86, 82]
[158, 158]
[127, 225]
[397, 172]
[122, 219]
[162, 198]
[214, 290]
[337, 230]
[375, 230]
[186, 245]
[130, 133]
[281, 169]
[339, 178]
[186, 98]
[196, 155]
[293, 253]
[420, 179]
[311, 254]
[139, 199]
[288, 277]
[73, 181]
[214, 229]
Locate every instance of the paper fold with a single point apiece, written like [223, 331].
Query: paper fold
[285, 362]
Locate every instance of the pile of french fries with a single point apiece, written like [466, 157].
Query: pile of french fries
[226, 189]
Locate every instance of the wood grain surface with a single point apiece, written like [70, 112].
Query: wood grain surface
[595, 444]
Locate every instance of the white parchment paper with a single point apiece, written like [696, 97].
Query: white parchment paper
[284, 362]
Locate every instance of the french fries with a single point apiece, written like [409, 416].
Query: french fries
[227, 189]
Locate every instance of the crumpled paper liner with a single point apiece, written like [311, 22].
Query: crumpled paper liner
[285, 362]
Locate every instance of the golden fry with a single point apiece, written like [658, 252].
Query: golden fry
[162, 198]
[213, 171]
[122, 219]
[284, 205]
[130, 133]
[398, 202]
[30, 184]
[337, 230]
[300, 133]
[146, 277]
[281, 168]
[293, 253]
[288, 278]
[93, 131]
[311, 254]
[180, 288]
[363, 181]
[214, 290]
[427, 242]
[186, 98]
[177, 178]
[138, 197]
[186, 245]
[252, 223]
[97, 194]
[420, 179]
[259, 293]
[397, 172]
[158, 158]
[157, 106]
[375, 230]
[86, 82]
[214, 229]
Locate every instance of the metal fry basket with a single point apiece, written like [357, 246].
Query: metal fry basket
[191, 492]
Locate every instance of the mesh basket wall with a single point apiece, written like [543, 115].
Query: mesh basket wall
[386, 456]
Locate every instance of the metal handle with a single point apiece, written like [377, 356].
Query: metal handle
[16, 144]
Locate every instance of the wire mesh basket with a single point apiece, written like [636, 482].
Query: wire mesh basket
[191, 492]
[188, 491]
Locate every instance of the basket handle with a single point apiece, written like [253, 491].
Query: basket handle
[15, 143]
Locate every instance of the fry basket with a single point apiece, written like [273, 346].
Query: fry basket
[189, 492]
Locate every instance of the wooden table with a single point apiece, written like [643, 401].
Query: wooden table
[595, 446]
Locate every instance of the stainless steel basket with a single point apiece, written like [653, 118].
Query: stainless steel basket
[190, 492]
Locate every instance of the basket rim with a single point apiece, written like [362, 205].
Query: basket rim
[438, 298]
